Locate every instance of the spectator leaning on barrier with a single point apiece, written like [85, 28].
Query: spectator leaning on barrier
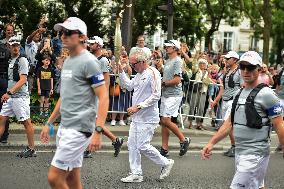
[16, 102]
[146, 87]
[232, 82]
[121, 102]
[255, 107]
[198, 91]
[171, 98]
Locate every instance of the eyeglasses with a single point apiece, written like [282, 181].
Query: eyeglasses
[68, 33]
[249, 67]
[132, 65]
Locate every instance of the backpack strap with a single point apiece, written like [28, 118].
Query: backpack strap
[234, 105]
[250, 110]
[254, 92]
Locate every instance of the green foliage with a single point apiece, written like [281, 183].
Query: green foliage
[88, 10]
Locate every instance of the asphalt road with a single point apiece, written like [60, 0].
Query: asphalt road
[104, 172]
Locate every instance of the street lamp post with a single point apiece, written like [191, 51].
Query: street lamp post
[169, 8]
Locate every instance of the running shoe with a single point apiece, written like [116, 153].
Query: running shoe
[164, 152]
[279, 148]
[132, 178]
[87, 154]
[117, 146]
[27, 153]
[184, 146]
[165, 171]
[3, 140]
[230, 152]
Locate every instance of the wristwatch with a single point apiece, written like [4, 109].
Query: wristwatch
[139, 107]
[99, 129]
[9, 93]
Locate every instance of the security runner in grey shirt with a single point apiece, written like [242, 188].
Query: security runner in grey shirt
[232, 82]
[96, 44]
[171, 98]
[81, 81]
[252, 140]
[16, 102]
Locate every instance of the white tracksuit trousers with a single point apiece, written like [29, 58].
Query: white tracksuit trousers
[140, 136]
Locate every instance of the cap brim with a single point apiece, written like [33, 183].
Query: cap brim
[18, 43]
[169, 45]
[58, 27]
[91, 41]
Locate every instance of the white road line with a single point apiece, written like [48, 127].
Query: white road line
[122, 152]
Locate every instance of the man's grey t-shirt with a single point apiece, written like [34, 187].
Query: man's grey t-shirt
[104, 64]
[80, 74]
[23, 69]
[172, 68]
[281, 86]
[228, 91]
[255, 141]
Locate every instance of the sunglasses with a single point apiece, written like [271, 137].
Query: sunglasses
[68, 33]
[249, 67]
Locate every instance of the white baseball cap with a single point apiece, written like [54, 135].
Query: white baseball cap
[173, 43]
[232, 54]
[72, 23]
[14, 40]
[251, 57]
[96, 39]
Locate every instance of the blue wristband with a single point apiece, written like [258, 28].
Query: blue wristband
[51, 129]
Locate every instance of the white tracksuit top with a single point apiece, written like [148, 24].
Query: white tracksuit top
[146, 87]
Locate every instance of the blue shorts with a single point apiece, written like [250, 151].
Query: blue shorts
[45, 93]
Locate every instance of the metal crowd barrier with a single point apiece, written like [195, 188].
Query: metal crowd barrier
[192, 106]
[195, 104]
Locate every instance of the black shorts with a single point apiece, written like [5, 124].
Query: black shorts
[45, 93]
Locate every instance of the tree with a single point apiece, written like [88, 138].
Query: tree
[27, 16]
[278, 28]
[215, 11]
[258, 11]
[88, 10]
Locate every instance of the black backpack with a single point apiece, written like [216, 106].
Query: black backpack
[4, 58]
[16, 75]
[254, 120]
[231, 82]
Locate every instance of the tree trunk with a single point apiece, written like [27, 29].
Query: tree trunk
[208, 41]
[126, 27]
[267, 17]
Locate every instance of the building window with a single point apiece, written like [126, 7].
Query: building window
[228, 41]
[254, 44]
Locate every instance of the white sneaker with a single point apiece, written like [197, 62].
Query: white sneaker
[122, 123]
[132, 178]
[113, 122]
[165, 171]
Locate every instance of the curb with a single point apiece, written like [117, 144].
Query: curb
[119, 131]
[105, 146]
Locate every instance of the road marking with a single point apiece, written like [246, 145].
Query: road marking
[122, 152]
